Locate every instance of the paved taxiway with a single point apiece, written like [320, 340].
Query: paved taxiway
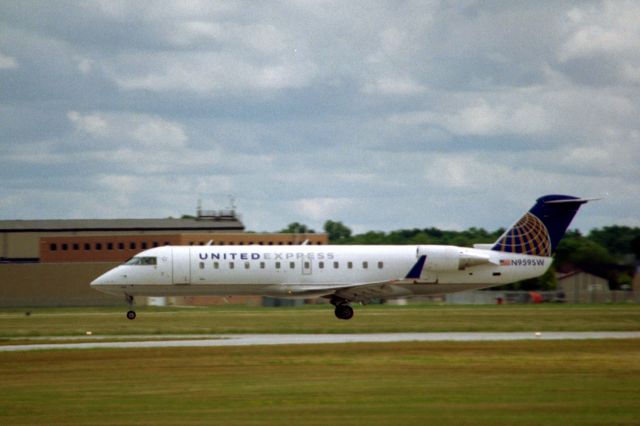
[175, 341]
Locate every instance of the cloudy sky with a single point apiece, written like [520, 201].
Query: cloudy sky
[383, 115]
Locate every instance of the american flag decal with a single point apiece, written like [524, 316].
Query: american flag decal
[505, 262]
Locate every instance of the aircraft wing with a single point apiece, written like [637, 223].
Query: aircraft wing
[364, 293]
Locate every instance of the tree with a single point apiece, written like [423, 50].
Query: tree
[336, 231]
[297, 228]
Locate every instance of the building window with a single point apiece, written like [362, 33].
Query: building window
[65, 246]
[87, 246]
[120, 246]
[76, 246]
[155, 244]
[98, 246]
[109, 246]
[380, 265]
[143, 245]
[365, 265]
[166, 243]
[53, 247]
[132, 246]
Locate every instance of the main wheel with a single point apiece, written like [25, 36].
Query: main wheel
[131, 315]
[344, 312]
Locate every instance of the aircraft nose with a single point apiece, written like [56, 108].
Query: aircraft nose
[99, 281]
[104, 279]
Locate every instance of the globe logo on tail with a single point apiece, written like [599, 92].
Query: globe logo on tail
[528, 236]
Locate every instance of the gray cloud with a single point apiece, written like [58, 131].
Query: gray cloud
[383, 115]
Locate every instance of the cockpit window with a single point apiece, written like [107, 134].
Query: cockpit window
[139, 260]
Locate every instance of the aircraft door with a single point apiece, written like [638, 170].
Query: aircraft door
[181, 265]
[306, 266]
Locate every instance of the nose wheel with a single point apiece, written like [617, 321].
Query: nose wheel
[131, 314]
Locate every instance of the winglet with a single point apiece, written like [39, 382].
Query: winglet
[416, 271]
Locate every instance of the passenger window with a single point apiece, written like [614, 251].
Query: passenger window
[380, 265]
[216, 265]
[231, 265]
[321, 265]
[277, 265]
[336, 265]
[292, 265]
[307, 265]
[350, 265]
[246, 265]
[262, 265]
[201, 265]
[365, 265]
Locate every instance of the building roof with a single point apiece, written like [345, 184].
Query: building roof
[222, 223]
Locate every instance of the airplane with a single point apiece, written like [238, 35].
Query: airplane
[347, 274]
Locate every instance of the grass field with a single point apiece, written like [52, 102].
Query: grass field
[591, 382]
[505, 383]
[318, 319]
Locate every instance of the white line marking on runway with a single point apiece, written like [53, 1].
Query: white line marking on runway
[307, 339]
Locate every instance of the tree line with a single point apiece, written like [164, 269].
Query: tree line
[610, 252]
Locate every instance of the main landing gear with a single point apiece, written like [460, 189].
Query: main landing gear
[131, 314]
[343, 310]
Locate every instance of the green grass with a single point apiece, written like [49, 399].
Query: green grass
[317, 319]
[444, 383]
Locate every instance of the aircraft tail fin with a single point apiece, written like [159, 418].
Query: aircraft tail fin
[540, 230]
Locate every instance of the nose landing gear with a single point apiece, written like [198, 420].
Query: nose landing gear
[131, 314]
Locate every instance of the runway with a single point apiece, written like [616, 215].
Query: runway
[192, 341]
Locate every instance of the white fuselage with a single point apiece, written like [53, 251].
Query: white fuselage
[355, 273]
